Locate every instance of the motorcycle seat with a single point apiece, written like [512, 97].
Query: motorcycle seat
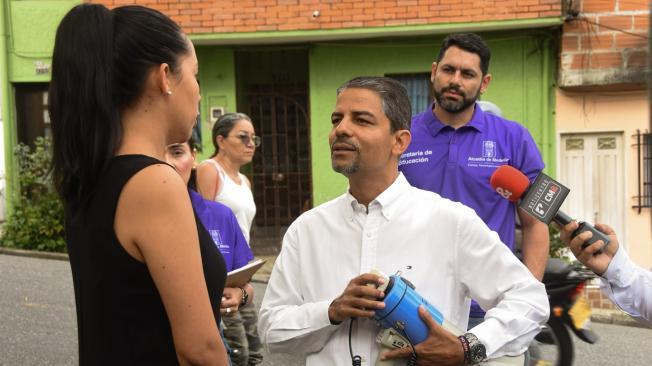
[556, 269]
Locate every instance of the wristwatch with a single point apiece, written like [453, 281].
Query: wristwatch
[476, 351]
[245, 297]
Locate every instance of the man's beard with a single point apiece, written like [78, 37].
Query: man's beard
[351, 167]
[453, 106]
[347, 169]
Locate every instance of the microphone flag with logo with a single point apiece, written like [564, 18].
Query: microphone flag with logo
[540, 200]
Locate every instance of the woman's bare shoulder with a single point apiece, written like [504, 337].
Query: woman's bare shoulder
[156, 187]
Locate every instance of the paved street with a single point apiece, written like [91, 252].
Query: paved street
[37, 312]
[37, 322]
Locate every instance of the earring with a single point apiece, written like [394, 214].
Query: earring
[169, 92]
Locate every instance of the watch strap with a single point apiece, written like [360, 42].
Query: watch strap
[245, 297]
[477, 351]
[465, 348]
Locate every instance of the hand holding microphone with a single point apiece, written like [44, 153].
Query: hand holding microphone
[541, 200]
[596, 256]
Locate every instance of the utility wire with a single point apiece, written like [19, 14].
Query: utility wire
[585, 19]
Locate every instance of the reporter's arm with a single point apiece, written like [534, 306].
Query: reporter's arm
[629, 286]
[155, 223]
[596, 256]
[626, 284]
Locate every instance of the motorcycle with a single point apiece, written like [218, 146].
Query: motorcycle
[569, 312]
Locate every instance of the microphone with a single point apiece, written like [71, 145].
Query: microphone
[540, 200]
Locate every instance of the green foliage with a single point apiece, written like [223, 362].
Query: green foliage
[557, 248]
[36, 221]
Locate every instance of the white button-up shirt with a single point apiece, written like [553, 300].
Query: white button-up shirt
[442, 247]
[629, 286]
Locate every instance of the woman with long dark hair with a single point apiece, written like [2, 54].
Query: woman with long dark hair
[148, 279]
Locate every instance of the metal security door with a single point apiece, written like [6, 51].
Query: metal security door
[282, 182]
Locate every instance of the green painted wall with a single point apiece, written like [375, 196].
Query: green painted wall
[32, 25]
[217, 83]
[521, 66]
[28, 28]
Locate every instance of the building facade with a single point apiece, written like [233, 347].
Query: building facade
[603, 122]
[282, 60]
[572, 72]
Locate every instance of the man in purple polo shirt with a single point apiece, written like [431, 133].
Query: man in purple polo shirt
[456, 147]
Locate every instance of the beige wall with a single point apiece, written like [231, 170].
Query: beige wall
[614, 112]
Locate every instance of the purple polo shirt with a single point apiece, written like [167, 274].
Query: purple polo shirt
[457, 164]
[220, 222]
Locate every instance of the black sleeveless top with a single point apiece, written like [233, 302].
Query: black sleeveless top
[120, 315]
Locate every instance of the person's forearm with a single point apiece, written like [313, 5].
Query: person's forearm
[295, 328]
[536, 246]
[629, 286]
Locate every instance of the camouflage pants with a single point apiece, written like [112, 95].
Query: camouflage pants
[241, 331]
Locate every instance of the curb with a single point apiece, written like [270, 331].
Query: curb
[34, 254]
[616, 317]
[258, 278]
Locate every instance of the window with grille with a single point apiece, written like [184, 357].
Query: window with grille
[419, 90]
[644, 154]
[33, 118]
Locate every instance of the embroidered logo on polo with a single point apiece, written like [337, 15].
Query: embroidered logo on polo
[488, 149]
[489, 158]
[217, 238]
[415, 157]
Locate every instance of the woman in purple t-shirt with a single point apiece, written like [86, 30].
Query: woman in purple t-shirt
[221, 224]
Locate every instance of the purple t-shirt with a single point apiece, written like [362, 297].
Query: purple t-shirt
[457, 164]
[220, 222]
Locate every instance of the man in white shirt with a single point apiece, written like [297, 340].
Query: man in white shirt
[626, 284]
[319, 281]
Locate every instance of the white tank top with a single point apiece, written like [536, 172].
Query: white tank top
[238, 197]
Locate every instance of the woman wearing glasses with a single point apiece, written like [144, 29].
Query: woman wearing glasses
[219, 179]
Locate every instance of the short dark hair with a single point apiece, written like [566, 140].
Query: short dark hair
[469, 42]
[100, 63]
[394, 98]
[224, 125]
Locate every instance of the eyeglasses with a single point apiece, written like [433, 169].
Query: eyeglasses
[246, 139]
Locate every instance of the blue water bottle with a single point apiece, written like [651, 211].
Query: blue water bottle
[401, 310]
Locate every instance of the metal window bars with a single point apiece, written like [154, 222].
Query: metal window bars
[644, 158]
